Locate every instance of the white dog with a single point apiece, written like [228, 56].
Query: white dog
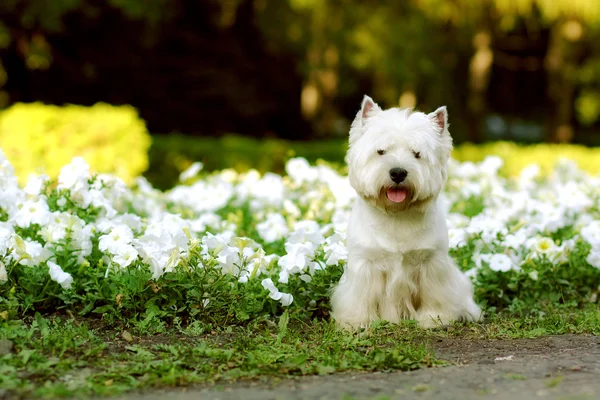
[398, 261]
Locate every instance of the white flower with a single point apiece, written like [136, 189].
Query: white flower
[209, 195]
[273, 228]
[306, 232]
[527, 176]
[457, 238]
[554, 218]
[6, 232]
[285, 298]
[533, 275]
[63, 278]
[33, 212]
[29, 252]
[464, 170]
[124, 255]
[214, 243]
[19, 246]
[572, 197]
[74, 175]
[229, 260]
[118, 236]
[490, 165]
[488, 227]
[291, 209]
[191, 172]
[204, 221]
[544, 245]
[267, 191]
[335, 250]
[35, 184]
[515, 240]
[133, 221]
[339, 220]
[296, 260]
[153, 255]
[260, 261]
[38, 254]
[594, 258]
[591, 234]
[300, 170]
[500, 262]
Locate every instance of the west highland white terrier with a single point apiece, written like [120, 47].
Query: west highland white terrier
[398, 262]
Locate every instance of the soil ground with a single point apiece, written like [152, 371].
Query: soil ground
[554, 367]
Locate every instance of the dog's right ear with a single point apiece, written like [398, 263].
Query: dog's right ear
[368, 108]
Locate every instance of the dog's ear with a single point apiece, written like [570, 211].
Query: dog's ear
[440, 119]
[368, 108]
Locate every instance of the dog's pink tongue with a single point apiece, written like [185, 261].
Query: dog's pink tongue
[396, 195]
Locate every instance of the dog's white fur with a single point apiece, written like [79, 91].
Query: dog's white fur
[398, 262]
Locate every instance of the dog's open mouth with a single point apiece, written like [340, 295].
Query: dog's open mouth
[396, 194]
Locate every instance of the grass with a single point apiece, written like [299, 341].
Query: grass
[61, 356]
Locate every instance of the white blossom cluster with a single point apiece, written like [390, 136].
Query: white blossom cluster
[296, 222]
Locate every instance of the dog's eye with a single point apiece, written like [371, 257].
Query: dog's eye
[417, 154]
[381, 152]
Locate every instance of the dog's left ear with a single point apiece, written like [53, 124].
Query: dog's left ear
[440, 119]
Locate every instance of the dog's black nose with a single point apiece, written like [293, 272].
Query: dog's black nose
[398, 174]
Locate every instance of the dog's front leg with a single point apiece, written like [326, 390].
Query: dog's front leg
[446, 294]
[354, 300]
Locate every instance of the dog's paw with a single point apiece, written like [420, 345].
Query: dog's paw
[472, 314]
[352, 326]
[431, 319]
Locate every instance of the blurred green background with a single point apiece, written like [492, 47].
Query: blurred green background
[249, 83]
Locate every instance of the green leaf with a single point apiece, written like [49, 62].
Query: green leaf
[104, 309]
[283, 325]
[42, 324]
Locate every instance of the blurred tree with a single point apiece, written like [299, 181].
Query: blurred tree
[488, 21]
[345, 42]
[25, 25]
[350, 48]
[587, 78]
[200, 67]
[264, 67]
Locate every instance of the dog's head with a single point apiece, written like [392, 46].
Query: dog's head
[398, 158]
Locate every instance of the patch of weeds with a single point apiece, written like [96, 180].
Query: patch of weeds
[421, 387]
[516, 377]
[56, 357]
[53, 356]
[553, 321]
[554, 382]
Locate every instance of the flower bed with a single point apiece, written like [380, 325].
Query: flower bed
[227, 247]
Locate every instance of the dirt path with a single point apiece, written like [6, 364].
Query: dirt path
[559, 367]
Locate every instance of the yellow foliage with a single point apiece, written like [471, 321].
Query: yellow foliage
[38, 138]
[516, 156]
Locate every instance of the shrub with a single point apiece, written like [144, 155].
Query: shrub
[38, 138]
[170, 155]
[545, 155]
